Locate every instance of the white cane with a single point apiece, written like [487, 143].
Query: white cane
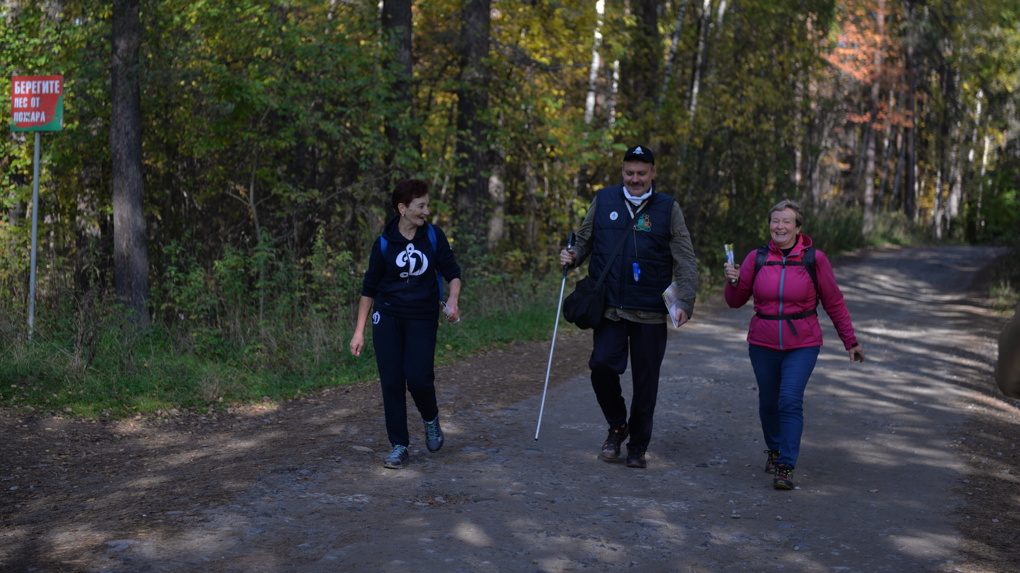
[552, 345]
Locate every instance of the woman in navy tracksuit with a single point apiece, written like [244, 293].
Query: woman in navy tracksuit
[408, 263]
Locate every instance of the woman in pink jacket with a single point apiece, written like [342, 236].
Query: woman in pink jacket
[784, 336]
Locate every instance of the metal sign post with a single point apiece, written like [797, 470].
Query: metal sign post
[37, 104]
[35, 234]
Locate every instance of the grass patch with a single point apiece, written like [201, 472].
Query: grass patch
[91, 364]
[166, 370]
[1004, 287]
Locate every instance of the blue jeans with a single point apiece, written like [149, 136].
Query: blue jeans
[782, 377]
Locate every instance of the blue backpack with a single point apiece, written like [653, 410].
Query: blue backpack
[432, 239]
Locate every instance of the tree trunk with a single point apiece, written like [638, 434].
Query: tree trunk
[642, 70]
[497, 199]
[532, 206]
[910, 153]
[871, 145]
[704, 23]
[397, 25]
[472, 181]
[596, 64]
[130, 254]
[674, 48]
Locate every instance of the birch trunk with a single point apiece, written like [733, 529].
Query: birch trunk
[596, 64]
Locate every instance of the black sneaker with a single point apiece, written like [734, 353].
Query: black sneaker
[770, 463]
[397, 458]
[433, 435]
[636, 457]
[611, 448]
[783, 478]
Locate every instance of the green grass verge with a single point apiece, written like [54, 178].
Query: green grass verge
[165, 371]
[151, 375]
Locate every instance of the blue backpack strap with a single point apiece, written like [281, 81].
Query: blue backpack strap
[435, 249]
[432, 239]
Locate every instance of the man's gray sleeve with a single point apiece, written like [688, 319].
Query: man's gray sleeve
[685, 265]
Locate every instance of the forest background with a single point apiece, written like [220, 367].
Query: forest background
[207, 211]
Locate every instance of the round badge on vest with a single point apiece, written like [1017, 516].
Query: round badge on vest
[613, 216]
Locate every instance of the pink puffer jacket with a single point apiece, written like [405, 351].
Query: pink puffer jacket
[788, 290]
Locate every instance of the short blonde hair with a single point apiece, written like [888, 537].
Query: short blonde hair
[791, 205]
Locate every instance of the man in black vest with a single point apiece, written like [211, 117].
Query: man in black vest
[639, 239]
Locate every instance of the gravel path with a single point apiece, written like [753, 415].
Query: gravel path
[878, 482]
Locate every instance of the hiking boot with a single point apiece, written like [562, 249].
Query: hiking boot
[770, 463]
[433, 435]
[636, 457]
[611, 448]
[783, 478]
[397, 458]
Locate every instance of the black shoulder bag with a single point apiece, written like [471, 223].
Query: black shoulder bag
[584, 306]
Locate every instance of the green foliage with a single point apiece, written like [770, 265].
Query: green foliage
[1004, 287]
[267, 164]
[894, 228]
[835, 230]
[14, 267]
[332, 279]
[994, 217]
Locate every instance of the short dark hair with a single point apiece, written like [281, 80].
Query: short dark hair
[408, 190]
[791, 205]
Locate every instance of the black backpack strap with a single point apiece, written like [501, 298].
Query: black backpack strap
[809, 265]
[808, 262]
[789, 318]
[759, 258]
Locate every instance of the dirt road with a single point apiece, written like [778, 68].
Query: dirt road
[909, 462]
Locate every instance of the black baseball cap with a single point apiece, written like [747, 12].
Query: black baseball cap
[639, 153]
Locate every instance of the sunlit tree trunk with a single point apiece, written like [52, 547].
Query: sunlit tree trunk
[596, 64]
[591, 97]
[497, 200]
